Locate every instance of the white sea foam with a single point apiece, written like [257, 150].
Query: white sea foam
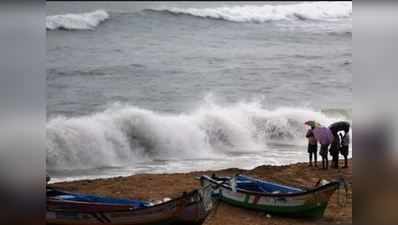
[83, 21]
[266, 13]
[123, 135]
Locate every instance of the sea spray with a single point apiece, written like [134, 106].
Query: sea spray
[83, 21]
[123, 134]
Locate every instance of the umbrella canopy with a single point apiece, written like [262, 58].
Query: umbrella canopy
[312, 123]
[340, 126]
[323, 135]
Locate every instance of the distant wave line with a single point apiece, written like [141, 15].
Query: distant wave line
[324, 11]
[82, 21]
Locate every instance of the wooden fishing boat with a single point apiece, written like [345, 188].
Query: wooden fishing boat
[251, 193]
[80, 209]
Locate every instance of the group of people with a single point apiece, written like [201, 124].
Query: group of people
[339, 145]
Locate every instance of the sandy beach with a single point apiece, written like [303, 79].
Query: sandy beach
[158, 186]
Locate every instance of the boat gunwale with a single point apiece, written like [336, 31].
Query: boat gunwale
[132, 209]
[295, 194]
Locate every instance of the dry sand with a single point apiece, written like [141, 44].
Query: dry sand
[158, 186]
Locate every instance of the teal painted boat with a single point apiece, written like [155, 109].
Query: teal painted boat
[272, 198]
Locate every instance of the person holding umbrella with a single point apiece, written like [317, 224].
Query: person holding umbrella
[345, 140]
[325, 137]
[334, 151]
[312, 143]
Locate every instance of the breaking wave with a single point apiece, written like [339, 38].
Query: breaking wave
[83, 21]
[123, 134]
[260, 14]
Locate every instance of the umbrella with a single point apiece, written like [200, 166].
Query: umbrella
[312, 123]
[323, 135]
[340, 126]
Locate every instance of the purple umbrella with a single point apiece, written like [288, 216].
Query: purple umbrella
[323, 135]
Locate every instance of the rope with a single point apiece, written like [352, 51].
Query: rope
[339, 193]
[213, 212]
[216, 202]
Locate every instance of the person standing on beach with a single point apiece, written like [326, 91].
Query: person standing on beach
[324, 154]
[312, 147]
[345, 142]
[334, 152]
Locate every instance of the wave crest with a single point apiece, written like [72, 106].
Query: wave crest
[123, 135]
[266, 13]
[83, 21]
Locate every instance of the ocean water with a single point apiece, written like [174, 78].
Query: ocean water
[157, 87]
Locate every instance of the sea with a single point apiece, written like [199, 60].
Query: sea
[170, 87]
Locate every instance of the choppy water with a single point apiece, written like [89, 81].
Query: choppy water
[172, 87]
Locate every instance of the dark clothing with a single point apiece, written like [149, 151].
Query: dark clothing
[334, 152]
[324, 153]
[334, 147]
[312, 151]
[312, 148]
[344, 150]
[324, 150]
[311, 137]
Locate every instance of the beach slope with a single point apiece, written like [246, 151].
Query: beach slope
[158, 186]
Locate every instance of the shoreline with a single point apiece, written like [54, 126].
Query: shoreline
[96, 177]
[159, 186]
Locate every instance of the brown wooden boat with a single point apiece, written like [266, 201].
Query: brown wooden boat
[81, 209]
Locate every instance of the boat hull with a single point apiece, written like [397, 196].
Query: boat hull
[307, 204]
[191, 208]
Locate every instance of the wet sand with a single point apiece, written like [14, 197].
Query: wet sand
[158, 186]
